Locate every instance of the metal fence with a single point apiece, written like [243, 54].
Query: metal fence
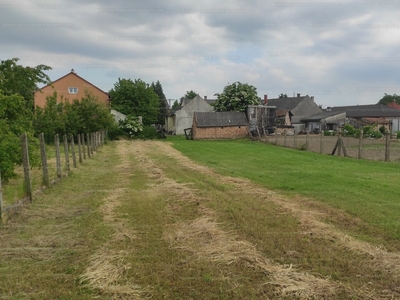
[383, 149]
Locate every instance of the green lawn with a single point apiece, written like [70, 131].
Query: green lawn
[365, 189]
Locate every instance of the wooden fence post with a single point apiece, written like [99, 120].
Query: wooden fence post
[387, 147]
[79, 148]
[83, 145]
[73, 151]
[339, 141]
[307, 142]
[91, 143]
[360, 144]
[45, 181]
[58, 156]
[321, 143]
[88, 144]
[65, 139]
[284, 138]
[276, 138]
[1, 200]
[25, 158]
[294, 139]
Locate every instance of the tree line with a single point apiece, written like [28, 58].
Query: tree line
[77, 116]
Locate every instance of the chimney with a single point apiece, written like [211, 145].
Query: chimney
[265, 99]
[328, 108]
[298, 94]
[72, 71]
[312, 98]
[205, 98]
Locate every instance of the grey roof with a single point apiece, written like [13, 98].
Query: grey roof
[373, 110]
[322, 115]
[288, 103]
[220, 119]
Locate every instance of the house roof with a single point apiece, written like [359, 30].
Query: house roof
[288, 103]
[394, 105]
[71, 73]
[372, 110]
[220, 119]
[283, 112]
[322, 115]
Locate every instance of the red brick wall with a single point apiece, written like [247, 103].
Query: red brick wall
[232, 132]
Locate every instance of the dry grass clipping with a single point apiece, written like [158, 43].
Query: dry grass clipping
[106, 269]
[204, 239]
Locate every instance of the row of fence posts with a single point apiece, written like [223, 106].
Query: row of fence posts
[86, 148]
[339, 144]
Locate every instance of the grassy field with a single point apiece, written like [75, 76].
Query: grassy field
[364, 189]
[140, 220]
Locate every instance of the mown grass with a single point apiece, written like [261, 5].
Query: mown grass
[366, 190]
[46, 248]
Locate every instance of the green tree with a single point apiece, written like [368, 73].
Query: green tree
[135, 98]
[236, 97]
[189, 95]
[17, 79]
[81, 116]
[387, 99]
[163, 103]
[175, 105]
[15, 119]
[282, 96]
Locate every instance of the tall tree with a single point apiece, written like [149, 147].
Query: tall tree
[15, 119]
[135, 98]
[389, 99]
[17, 79]
[282, 96]
[163, 103]
[189, 95]
[175, 105]
[236, 97]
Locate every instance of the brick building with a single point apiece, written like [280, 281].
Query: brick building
[219, 125]
[69, 88]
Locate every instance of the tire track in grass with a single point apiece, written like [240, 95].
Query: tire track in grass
[384, 260]
[205, 239]
[107, 266]
[310, 218]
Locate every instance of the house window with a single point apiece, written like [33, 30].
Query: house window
[73, 90]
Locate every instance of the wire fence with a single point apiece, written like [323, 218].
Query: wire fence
[55, 164]
[383, 149]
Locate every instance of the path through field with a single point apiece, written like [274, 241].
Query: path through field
[175, 231]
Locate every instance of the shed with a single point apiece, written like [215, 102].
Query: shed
[219, 125]
[327, 120]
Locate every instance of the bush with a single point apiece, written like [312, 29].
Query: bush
[149, 132]
[349, 130]
[398, 134]
[376, 134]
[131, 126]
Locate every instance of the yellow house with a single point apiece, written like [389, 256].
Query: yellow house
[69, 88]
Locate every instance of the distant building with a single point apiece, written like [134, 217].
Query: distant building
[182, 117]
[69, 88]
[220, 125]
[300, 107]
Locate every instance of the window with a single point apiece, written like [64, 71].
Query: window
[73, 90]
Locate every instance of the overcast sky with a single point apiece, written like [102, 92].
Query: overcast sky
[342, 53]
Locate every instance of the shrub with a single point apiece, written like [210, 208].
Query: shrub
[376, 134]
[131, 126]
[149, 132]
[348, 130]
[398, 134]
